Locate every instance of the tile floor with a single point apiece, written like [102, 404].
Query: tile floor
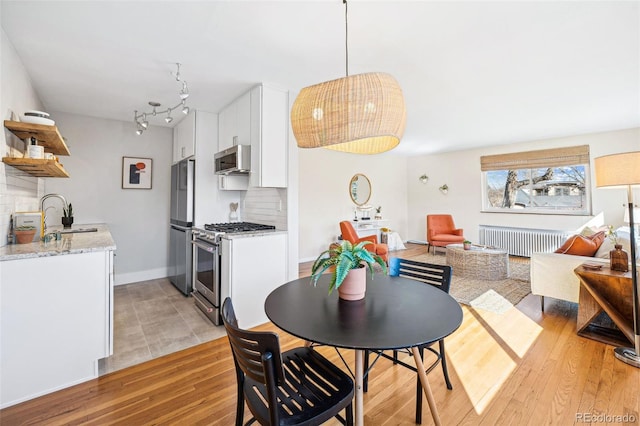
[152, 319]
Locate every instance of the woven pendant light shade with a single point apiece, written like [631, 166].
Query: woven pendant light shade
[361, 114]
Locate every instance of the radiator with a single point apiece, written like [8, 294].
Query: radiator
[522, 241]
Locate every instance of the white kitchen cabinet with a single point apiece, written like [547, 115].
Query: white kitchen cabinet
[233, 182]
[184, 138]
[206, 181]
[251, 268]
[55, 322]
[199, 131]
[227, 124]
[234, 123]
[269, 137]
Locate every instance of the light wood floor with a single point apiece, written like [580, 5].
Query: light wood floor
[519, 368]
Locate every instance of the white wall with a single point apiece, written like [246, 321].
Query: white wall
[324, 177]
[18, 190]
[138, 218]
[461, 172]
[325, 174]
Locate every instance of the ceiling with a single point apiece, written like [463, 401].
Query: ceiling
[473, 73]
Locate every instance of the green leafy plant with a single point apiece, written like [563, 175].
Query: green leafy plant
[344, 257]
[466, 242]
[67, 211]
[26, 228]
[612, 235]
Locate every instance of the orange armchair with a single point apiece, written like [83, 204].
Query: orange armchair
[441, 231]
[350, 234]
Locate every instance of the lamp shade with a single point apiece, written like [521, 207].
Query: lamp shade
[361, 114]
[618, 169]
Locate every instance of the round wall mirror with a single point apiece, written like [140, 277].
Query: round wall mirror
[360, 189]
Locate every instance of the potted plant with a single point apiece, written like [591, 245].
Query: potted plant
[466, 244]
[24, 234]
[67, 216]
[348, 263]
[378, 215]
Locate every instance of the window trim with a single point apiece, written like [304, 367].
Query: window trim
[558, 157]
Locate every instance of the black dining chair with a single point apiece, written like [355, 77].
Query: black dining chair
[438, 276]
[297, 387]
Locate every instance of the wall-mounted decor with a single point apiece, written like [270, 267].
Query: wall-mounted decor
[136, 173]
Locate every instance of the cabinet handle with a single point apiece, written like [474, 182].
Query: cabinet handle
[206, 247]
[182, 151]
[209, 309]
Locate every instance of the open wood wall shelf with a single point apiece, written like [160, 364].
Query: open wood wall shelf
[37, 167]
[47, 136]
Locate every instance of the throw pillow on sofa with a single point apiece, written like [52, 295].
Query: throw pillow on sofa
[580, 245]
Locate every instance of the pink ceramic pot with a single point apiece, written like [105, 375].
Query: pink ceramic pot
[354, 285]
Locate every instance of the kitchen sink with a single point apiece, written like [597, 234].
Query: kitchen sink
[78, 230]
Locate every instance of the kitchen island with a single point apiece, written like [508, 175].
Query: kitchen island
[56, 312]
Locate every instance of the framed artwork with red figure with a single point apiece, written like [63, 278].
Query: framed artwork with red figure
[136, 173]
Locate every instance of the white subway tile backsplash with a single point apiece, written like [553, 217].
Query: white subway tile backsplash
[19, 191]
[267, 206]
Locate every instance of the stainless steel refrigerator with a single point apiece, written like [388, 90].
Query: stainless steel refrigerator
[180, 249]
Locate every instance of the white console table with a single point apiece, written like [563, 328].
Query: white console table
[365, 228]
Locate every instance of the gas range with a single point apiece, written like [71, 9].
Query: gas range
[213, 231]
[208, 291]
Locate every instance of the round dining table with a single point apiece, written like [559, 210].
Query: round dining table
[396, 313]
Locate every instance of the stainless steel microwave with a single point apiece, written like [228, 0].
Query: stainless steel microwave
[234, 160]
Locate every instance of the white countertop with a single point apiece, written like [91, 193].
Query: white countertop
[71, 243]
[232, 236]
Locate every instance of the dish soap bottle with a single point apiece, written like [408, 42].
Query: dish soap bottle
[10, 236]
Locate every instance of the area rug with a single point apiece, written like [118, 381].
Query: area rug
[496, 296]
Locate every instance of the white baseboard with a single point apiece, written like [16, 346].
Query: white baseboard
[417, 242]
[134, 277]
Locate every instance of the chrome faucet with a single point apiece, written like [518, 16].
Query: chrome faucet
[42, 200]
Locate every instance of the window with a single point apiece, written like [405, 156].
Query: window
[550, 181]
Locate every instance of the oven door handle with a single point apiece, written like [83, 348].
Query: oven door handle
[207, 247]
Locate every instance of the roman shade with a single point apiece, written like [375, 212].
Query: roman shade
[557, 157]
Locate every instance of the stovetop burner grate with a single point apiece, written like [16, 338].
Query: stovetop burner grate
[237, 227]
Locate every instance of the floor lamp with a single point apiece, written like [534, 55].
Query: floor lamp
[623, 170]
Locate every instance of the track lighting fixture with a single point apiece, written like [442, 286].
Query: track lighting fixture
[184, 93]
[141, 119]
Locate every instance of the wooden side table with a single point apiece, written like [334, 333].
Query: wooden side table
[611, 292]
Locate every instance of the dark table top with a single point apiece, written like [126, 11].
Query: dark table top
[395, 313]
